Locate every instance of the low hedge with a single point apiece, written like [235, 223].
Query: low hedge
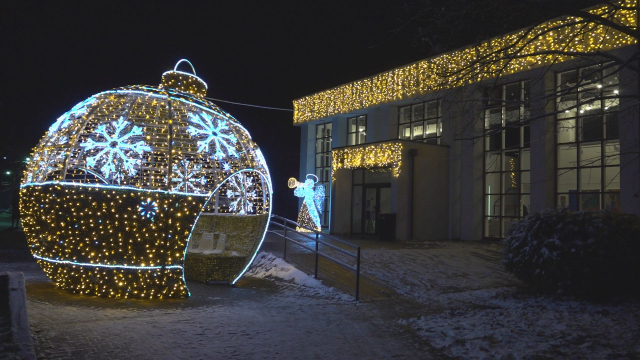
[593, 253]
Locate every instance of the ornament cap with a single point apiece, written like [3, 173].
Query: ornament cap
[183, 81]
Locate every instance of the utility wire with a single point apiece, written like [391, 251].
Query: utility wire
[251, 105]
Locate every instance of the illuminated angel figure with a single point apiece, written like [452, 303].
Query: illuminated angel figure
[187, 176]
[216, 135]
[242, 192]
[312, 206]
[116, 151]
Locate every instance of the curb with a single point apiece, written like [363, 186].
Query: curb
[16, 300]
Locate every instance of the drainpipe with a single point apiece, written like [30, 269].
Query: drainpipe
[412, 153]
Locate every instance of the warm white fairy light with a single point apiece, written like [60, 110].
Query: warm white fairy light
[519, 51]
[384, 155]
[115, 188]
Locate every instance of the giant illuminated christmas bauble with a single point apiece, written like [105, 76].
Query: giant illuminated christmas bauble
[136, 188]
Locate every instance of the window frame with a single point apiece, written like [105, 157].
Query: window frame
[504, 162]
[605, 115]
[323, 160]
[358, 131]
[419, 118]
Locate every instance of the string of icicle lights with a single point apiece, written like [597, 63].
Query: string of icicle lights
[524, 51]
[385, 155]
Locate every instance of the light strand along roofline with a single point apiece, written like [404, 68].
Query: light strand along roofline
[425, 76]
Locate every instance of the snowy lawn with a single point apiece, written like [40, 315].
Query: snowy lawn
[474, 309]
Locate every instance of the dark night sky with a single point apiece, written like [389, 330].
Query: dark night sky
[56, 54]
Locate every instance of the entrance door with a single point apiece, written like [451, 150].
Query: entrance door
[377, 199]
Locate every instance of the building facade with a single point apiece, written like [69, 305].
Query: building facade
[461, 145]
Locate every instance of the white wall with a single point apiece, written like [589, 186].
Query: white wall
[462, 131]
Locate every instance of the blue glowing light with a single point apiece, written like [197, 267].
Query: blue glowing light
[65, 119]
[175, 68]
[116, 150]
[241, 191]
[133, 267]
[43, 166]
[212, 196]
[187, 176]
[148, 209]
[216, 135]
[113, 149]
[313, 200]
[103, 186]
[263, 234]
[263, 163]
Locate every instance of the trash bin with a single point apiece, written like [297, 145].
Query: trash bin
[386, 226]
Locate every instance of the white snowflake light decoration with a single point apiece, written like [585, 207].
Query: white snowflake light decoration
[187, 177]
[134, 172]
[217, 137]
[65, 119]
[242, 191]
[116, 151]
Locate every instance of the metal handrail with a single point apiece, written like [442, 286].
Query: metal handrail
[314, 231]
[319, 240]
[316, 251]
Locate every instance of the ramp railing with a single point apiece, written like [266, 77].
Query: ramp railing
[290, 227]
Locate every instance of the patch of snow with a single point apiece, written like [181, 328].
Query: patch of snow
[473, 310]
[269, 266]
[500, 324]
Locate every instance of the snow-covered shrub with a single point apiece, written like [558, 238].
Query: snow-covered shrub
[586, 253]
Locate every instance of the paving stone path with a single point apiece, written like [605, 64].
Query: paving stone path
[258, 319]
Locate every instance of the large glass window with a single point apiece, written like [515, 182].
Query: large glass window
[421, 122]
[357, 130]
[587, 137]
[506, 157]
[323, 166]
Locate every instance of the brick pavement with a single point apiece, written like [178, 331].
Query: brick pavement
[258, 319]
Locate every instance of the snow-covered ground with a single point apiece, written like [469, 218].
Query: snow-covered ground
[473, 308]
[269, 266]
[456, 301]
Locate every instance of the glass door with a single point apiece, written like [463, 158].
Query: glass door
[370, 210]
[371, 195]
[377, 199]
[385, 200]
[356, 210]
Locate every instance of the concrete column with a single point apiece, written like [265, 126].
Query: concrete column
[471, 168]
[478, 175]
[341, 202]
[543, 182]
[390, 113]
[307, 152]
[629, 117]
[339, 131]
[451, 124]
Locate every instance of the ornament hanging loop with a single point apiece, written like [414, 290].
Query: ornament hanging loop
[193, 70]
